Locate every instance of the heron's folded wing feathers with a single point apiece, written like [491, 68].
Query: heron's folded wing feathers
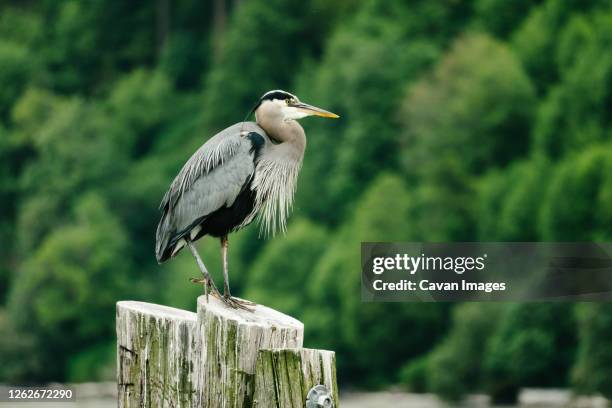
[212, 154]
[211, 178]
[214, 189]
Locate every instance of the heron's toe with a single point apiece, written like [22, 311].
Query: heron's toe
[235, 303]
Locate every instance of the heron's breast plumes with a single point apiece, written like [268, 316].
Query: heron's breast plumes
[275, 183]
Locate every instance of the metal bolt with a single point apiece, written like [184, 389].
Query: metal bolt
[319, 397]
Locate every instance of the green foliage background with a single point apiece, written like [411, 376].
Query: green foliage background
[480, 120]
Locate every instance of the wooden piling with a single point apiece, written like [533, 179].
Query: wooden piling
[155, 347]
[285, 376]
[219, 357]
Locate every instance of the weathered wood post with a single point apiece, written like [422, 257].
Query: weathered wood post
[285, 376]
[219, 357]
[155, 348]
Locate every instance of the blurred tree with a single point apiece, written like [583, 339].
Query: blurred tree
[485, 123]
[19, 364]
[533, 346]
[444, 204]
[136, 197]
[379, 33]
[22, 25]
[77, 148]
[281, 274]
[535, 42]
[511, 201]
[143, 102]
[500, 17]
[17, 66]
[537, 38]
[413, 375]
[98, 39]
[71, 280]
[248, 245]
[95, 363]
[20, 30]
[591, 373]
[13, 156]
[264, 48]
[587, 179]
[184, 59]
[31, 112]
[371, 346]
[455, 367]
[487, 110]
[343, 157]
[577, 111]
[493, 189]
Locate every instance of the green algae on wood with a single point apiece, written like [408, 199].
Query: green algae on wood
[155, 348]
[284, 376]
[230, 340]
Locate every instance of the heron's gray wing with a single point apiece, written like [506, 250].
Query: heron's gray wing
[212, 154]
[212, 178]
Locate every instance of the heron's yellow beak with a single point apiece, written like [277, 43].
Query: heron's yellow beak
[313, 110]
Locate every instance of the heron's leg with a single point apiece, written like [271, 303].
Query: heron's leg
[208, 282]
[231, 301]
[224, 246]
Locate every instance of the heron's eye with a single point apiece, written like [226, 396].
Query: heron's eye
[291, 101]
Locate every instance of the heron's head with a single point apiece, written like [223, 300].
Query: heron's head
[281, 105]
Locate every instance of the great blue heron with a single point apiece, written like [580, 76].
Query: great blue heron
[248, 169]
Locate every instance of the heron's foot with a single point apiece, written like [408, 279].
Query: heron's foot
[242, 301]
[208, 285]
[236, 303]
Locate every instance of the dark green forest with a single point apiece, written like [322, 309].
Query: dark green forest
[485, 120]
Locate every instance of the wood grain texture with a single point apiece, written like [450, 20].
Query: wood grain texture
[284, 377]
[155, 349]
[230, 340]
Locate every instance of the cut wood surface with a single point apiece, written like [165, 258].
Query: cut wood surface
[219, 357]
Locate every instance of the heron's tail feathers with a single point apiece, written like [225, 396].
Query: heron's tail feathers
[162, 239]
